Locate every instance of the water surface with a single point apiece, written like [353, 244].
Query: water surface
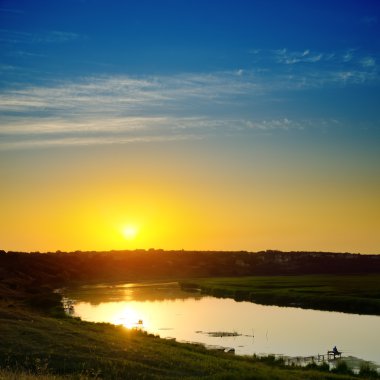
[164, 309]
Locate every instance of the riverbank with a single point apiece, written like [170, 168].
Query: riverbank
[347, 293]
[41, 345]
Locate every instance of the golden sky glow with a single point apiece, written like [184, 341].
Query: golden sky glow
[189, 196]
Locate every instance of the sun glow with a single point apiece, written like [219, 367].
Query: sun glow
[130, 232]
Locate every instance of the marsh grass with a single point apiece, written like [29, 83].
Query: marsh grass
[367, 371]
[343, 368]
[348, 293]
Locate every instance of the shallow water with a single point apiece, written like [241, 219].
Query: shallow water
[164, 309]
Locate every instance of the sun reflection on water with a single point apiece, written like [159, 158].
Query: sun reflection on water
[130, 318]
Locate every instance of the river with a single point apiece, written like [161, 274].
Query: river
[165, 310]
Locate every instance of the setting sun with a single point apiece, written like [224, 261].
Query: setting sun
[130, 232]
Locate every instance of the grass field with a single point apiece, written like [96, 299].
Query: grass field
[354, 293]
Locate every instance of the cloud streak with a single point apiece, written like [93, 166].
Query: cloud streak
[124, 109]
[105, 131]
[121, 93]
[313, 69]
[126, 95]
[291, 58]
[47, 37]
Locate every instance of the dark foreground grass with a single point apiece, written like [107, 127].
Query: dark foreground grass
[347, 293]
[36, 346]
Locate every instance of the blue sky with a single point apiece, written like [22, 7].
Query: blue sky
[294, 84]
[264, 65]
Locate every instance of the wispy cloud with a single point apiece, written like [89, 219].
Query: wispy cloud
[24, 54]
[125, 95]
[348, 55]
[62, 141]
[293, 57]
[14, 36]
[368, 62]
[313, 69]
[324, 61]
[304, 69]
[120, 108]
[56, 132]
[277, 124]
[55, 36]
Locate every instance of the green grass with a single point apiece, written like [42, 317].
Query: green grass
[17, 375]
[349, 293]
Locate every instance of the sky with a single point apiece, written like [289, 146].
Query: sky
[196, 125]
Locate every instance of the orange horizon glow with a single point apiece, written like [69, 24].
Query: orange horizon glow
[175, 199]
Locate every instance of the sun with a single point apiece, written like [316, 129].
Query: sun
[130, 232]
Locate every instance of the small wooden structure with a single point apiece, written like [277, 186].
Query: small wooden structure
[332, 355]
